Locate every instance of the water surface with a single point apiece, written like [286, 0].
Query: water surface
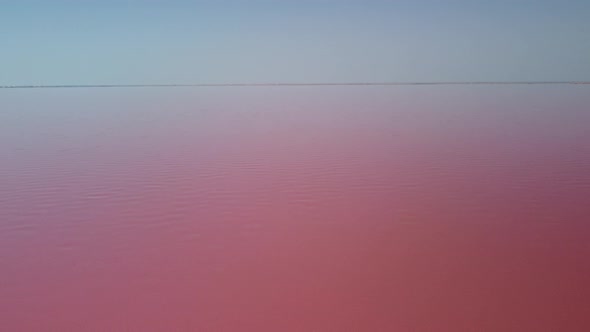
[445, 208]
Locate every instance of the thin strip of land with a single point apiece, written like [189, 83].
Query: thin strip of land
[281, 84]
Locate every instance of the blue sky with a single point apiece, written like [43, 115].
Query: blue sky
[145, 42]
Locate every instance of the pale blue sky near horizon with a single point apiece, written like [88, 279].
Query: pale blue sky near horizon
[259, 41]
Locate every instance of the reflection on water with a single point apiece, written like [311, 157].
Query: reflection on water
[295, 209]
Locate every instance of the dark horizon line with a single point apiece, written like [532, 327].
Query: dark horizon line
[287, 84]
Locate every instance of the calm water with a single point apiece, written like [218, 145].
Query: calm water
[295, 209]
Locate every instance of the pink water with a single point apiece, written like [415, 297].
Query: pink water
[295, 209]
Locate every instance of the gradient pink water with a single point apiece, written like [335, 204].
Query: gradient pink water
[295, 209]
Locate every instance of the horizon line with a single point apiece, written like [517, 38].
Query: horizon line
[172, 85]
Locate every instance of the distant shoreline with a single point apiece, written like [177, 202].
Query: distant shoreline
[280, 84]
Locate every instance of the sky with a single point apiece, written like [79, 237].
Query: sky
[45, 42]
